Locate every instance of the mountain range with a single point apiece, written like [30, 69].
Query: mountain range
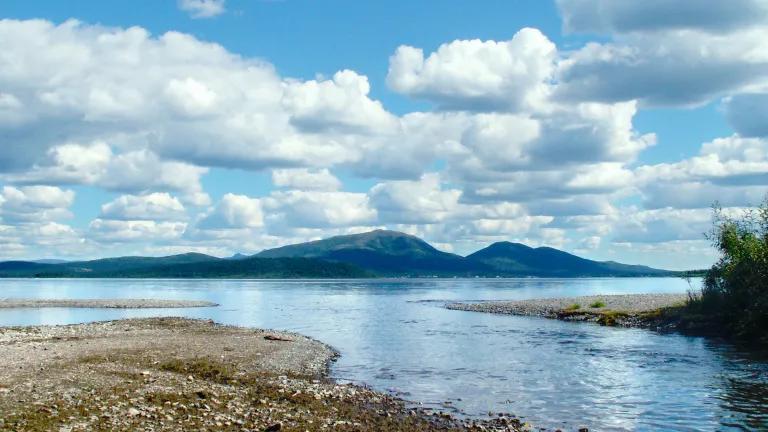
[379, 253]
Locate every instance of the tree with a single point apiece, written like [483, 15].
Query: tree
[735, 290]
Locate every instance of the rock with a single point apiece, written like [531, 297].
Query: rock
[274, 428]
[133, 412]
[276, 338]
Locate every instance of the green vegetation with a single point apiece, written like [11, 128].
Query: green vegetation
[734, 296]
[202, 368]
[573, 307]
[597, 304]
[611, 318]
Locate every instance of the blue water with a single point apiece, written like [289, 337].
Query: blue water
[395, 336]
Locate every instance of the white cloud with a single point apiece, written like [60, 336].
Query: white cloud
[414, 202]
[35, 204]
[195, 103]
[154, 206]
[341, 104]
[234, 212]
[134, 171]
[306, 179]
[676, 68]
[622, 16]
[203, 8]
[662, 225]
[117, 231]
[731, 170]
[477, 75]
[664, 53]
[287, 210]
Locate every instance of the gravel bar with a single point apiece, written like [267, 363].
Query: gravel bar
[631, 305]
[102, 303]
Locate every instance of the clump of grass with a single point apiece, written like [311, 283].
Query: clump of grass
[204, 368]
[611, 318]
[573, 307]
[597, 304]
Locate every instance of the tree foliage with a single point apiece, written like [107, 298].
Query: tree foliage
[735, 289]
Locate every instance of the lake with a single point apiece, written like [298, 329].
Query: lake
[395, 336]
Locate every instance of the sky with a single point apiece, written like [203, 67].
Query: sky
[606, 128]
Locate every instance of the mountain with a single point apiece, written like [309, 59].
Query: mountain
[190, 265]
[521, 260]
[50, 261]
[370, 254]
[386, 253]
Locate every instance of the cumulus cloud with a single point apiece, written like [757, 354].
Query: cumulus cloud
[623, 16]
[117, 231]
[133, 171]
[306, 179]
[233, 212]
[203, 8]
[339, 104]
[662, 225]
[414, 202]
[664, 53]
[287, 210]
[35, 204]
[666, 69]
[732, 170]
[477, 75]
[154, 206]
[196, 104]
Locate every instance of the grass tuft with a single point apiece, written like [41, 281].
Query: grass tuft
[597, 304]
[202, 367]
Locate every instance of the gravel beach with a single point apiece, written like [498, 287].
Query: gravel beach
[169, 374]
[102, 303]
[624, 310]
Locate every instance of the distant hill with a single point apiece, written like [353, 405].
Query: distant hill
[387, 253]
[370, 254]
[50, 261]
[519, 259]
[185, 266]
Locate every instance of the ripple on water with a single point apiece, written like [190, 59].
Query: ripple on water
[394, 336]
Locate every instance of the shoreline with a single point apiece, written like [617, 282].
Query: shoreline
[621, 310]
[16, 303]
[165, 374]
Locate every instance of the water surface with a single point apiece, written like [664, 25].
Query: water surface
[395, 336]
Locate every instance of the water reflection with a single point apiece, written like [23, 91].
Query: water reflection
[394, 335]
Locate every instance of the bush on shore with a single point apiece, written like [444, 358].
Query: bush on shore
[735, 290]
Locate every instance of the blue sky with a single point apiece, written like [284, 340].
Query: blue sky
[563, 123]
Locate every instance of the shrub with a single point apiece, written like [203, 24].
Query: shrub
[573, 307]
[735, 289]
[597, 304]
